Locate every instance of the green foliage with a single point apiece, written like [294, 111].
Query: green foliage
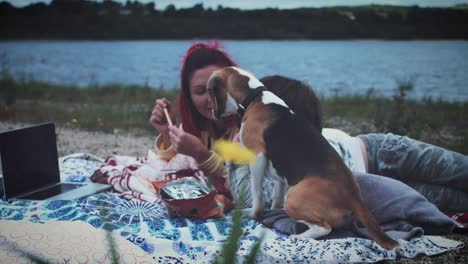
[109, 236]
[229, 250]
[400, 117]
[93, 107]
[111, 93]
[7, 90]
[433, 121]
[254, 252]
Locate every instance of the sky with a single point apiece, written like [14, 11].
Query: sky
[283, 4]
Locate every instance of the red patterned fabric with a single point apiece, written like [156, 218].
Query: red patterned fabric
[460, 218]
[132, 178]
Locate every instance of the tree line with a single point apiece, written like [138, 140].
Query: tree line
[108, 20]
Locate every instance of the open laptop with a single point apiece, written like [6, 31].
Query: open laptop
[29, 162]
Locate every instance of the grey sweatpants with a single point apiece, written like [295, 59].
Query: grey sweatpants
[439, 174]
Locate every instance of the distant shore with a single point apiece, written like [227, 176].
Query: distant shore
[144, 21]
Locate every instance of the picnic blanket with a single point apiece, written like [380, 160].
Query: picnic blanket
[147, 225]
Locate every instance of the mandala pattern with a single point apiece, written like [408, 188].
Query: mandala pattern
[139, 241]
[187, 250]
[178, 222]
[223, 227]
[123, 211]
[12, 214]
[158, 228]
[200, 232]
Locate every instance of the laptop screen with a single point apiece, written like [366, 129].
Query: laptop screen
[29, 159]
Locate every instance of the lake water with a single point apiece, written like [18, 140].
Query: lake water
[436, 68]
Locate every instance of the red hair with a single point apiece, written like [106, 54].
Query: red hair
[198, 56]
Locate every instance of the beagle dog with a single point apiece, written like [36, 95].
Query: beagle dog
[322, 190]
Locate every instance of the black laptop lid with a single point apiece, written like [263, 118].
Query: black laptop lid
[29, 159]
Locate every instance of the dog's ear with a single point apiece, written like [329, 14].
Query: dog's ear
[238, 86]
[214, 83]
[239, 81]
[216, 88]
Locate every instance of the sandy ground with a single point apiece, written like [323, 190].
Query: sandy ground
[100, 144]
[124, 143]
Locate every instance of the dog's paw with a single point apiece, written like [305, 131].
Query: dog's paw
[314, 231]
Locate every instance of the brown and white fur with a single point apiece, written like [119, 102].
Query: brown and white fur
[323, 192]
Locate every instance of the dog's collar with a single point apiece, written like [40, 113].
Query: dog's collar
[250, 97]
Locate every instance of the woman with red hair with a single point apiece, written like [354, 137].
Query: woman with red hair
[198, 127]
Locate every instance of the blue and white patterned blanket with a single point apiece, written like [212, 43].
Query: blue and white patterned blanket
[181, 240]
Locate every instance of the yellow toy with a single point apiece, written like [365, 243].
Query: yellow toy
[233, 152]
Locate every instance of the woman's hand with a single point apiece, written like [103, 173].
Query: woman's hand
[159, 120]
[188, 144]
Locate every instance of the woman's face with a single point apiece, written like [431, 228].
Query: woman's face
[198, 92]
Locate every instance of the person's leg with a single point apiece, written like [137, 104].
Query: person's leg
[432, 170]
[447, 199]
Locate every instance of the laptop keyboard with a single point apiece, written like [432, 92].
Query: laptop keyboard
[52, 191]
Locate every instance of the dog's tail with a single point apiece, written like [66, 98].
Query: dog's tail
[365, 217]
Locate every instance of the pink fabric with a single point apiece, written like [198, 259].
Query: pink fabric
[133, 177]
